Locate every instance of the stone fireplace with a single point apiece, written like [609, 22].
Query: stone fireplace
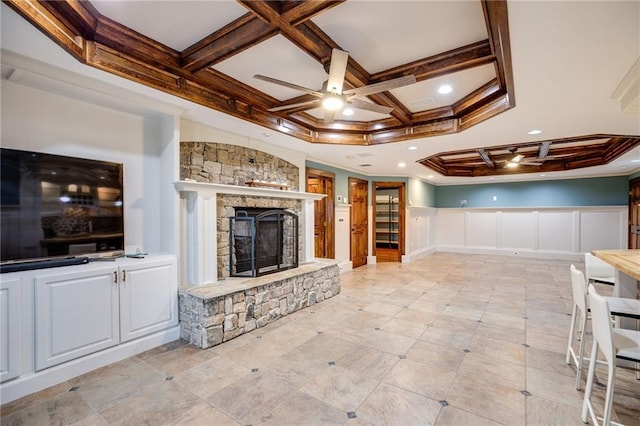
[215, 303]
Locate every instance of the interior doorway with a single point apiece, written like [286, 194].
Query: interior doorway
[358, 198]
[634, 214]
[389, 206]
[321, 182]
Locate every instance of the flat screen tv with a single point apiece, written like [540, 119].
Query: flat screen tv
[58, 207]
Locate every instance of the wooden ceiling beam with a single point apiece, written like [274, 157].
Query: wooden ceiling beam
[455, 60]
[233, 38]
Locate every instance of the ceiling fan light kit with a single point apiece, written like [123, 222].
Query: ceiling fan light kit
[333, 98]
[333, 102]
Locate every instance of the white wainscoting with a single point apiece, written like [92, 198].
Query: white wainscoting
[420, 235]
[342, 238]
[534, 232]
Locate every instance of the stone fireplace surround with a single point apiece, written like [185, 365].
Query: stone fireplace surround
[215, 308]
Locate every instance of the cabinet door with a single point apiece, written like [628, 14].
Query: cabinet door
[10, 327]
[148, 298]
[76, 314]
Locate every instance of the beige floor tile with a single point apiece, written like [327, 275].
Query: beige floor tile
[549, 361]
[448, 334]
[176, 360]
[302, 409]
[369, 361]
[391, 405]
[445, 357]
[388, 342]
[554, 387]
[159, 404]
[498, 349]
[543, 412]
[204, 414]
[253, 396]
[340, 388]
[404, 327]
[107, 386]
[66, 408]
[35, 398]
[452, 416]
[211, 376]
[428, 380]
[498, 403]
[547, 341]
[493, 370]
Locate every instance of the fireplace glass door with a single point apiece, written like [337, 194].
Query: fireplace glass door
[262, 242]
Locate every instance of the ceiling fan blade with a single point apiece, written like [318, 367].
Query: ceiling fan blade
[329, 116]
[337, 70]
[369, 106]
[383, 86]
[290, 106]
[289, 85]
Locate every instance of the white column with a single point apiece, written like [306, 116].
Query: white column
[308, 239]
[201, 251]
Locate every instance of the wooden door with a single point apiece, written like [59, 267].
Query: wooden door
[321, 182]
[358, 198]
[389, 221]
[634, 214]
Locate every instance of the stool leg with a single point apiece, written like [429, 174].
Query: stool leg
[586, 404]
[583, 336]
[572, 330]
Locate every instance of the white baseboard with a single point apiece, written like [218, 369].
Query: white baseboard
[371, 260]
[412, 257]
[345, 266]
[33, 382]
[539, 254]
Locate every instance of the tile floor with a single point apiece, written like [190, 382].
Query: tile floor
[448, 340]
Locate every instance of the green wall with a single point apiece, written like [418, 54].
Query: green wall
[605, 191]
[602, 191]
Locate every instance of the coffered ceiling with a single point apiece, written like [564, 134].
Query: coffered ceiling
[508, 66]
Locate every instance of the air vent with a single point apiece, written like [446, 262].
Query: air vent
[364, 154]
[365, 165]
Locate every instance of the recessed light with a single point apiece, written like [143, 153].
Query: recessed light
[430, 176]
[266, 134]
[534, 132]
[635, 161]
[347, 111]
[444, 89]
[412, 148]
[402, 164]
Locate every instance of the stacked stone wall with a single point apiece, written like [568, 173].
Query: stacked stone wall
[212, 162]
[209, 321]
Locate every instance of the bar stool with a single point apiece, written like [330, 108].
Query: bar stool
[614, 343]
[622, 307]
[597, 270]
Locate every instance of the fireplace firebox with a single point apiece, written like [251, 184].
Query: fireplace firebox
[262, 241]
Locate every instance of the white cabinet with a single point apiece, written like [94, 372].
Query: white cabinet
[10, 326]
[76, 314]
[148, 298]
[85, 310]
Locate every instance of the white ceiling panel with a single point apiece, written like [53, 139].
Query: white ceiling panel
[382, 34]
[177, 24]
[424, 95]
[277, 58]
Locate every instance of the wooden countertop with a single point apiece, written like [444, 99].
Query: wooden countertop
[627, 261]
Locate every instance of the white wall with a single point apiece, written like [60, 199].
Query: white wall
[537, 232]
[37, 120]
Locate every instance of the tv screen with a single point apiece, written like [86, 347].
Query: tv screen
[58, 206]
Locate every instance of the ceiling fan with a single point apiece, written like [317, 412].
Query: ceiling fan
[520, 159]
[332, 97]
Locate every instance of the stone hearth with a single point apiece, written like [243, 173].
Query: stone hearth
[213, 314]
